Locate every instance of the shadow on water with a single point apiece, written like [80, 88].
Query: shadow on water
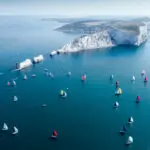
[122, 50]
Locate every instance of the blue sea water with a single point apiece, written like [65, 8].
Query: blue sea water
[86, 118]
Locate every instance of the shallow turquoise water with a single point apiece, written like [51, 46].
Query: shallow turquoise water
[86, 119]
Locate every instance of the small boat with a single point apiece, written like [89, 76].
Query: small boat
[118, 91]
[15, 98]
[129, 140]
[25, 77]
[51, 75]
[5, 127]
[33, 75]
[63, 94]
[133, 78]
[54, 135]
[69, 74]
[14, 83]
[143, 72]
[116, 105]
[83, 78]
[138, 99]
[44, 105]
[130, 120]
[112, 77]
[16, 131]
[146, 79]
[117, 83]
[8, 83]
[123, 130]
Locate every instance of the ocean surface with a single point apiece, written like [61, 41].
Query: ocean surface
[85, 120]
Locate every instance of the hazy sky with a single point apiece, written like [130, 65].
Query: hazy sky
[75, 7]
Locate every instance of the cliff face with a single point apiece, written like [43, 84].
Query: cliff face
[135, 36]
[143, 35]
[92, 41]
[114, 36]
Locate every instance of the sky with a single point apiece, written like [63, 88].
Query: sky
[75, 8]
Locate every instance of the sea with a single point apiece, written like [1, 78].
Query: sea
[85, 119]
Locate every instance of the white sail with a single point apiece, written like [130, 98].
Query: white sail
[116, 104]
[130, 120]
[15, 98]
[69, 73]
[25, 77]
[5, 127]
[15, 131]
[133, 78]
[129, 140]
[14, 83]
[112, 76]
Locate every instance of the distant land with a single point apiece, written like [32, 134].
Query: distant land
[103, 33]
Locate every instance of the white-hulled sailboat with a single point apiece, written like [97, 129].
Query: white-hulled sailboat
[15, 98]
[16, 131]
[5, 127]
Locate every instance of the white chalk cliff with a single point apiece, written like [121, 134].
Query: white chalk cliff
[92, 41]
[114, 36]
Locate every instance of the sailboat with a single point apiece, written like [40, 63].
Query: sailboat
[8, 83]
[129, 140]
[123, 130]
[118, 92]
[63, 94]
[116, 105]
[130, 120]
[69, 73]
[25, 77]
[16, 131]
[112, 77]
[15, 98]
[54, 135]
[14, 83]
[5, 127]
[133, 78]
[143, 72]
[51, 75]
